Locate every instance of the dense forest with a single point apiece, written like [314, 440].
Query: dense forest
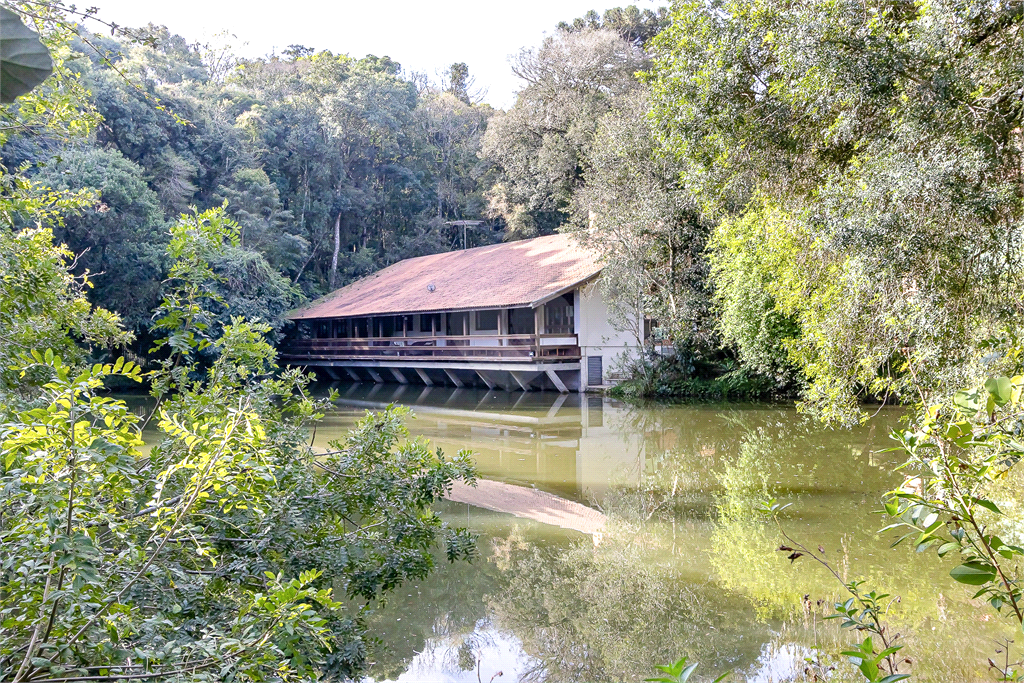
[332, 166]
[819, 199]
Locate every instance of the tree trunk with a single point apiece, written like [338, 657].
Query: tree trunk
[337, 248]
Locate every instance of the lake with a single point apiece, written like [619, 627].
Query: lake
[685, 565]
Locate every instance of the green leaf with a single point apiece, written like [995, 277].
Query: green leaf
[1000, 388]
[973, 573]
[988, 505]
[24, 60]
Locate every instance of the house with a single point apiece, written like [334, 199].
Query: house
[517, 315]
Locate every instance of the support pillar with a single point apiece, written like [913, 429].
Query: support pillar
[523, 379]
[454, 378]
[353, 375]
[485, 380]
[399, 376]
[373, 374]
[557, 381]
[425, 377]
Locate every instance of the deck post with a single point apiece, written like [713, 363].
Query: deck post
[399, 376]
[353, 375]
[455, 380]
[425, 377]
[538, 327]
[376, 378]
[557, 381]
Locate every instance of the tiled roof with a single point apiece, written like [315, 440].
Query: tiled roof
[507, 275]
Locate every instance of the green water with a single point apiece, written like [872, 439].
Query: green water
[685, 566]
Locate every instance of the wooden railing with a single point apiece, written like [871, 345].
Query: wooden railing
[509, 347]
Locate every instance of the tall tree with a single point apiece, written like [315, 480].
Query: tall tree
[863, 160]
[538, 146]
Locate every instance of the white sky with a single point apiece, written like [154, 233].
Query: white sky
[424, 36]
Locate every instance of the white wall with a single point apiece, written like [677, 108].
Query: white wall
[597, 337]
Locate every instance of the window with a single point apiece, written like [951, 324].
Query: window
[431, 323]
[559, 315]
[458, 324]
[323, 329]
[487, 321]
[520, 321]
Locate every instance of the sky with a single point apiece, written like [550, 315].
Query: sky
[424, 36]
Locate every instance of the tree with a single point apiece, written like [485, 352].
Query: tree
[650, 230]
[459, 82]
[209, 556]
[119, 240]
[539, 145]
[861, 160]
[629, 22]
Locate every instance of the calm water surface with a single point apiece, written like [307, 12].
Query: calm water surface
[686, 565]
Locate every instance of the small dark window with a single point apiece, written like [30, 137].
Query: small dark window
[520, 321]
[432, 319]
[559, 316]
[487, 320]
[458, 324]
[323, 329]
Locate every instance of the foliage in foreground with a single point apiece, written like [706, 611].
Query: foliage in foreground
[228, 551]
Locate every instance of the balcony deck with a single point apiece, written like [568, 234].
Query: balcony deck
[523, 348]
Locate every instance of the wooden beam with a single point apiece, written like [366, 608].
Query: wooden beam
[375, 376]
[483, 378]
[399, 376]
[455, 380]
[425, 377]
[353, 375]
[557, 381]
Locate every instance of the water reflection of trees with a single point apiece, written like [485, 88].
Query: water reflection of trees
[605, 613]
[941, 629]
[688, 567]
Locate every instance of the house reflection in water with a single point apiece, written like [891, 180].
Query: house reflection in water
[572, 445]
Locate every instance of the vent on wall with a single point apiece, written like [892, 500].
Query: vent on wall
[595, 371]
